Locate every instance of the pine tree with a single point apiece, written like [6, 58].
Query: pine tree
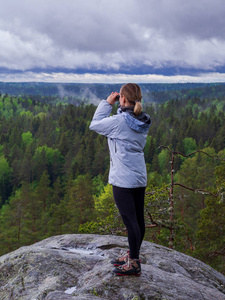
[211, 242]
[80, 201]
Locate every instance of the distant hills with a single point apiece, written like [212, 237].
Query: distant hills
[152, 92]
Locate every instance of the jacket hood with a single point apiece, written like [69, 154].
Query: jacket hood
[139, 123]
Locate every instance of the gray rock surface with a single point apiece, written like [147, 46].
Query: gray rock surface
[76, 266]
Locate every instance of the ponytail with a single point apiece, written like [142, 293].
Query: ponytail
[137, 108]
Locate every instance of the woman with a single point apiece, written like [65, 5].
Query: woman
[126, 132]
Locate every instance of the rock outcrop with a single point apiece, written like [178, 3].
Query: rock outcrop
[78, 267]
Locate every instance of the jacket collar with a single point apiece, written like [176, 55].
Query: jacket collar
[126, 108]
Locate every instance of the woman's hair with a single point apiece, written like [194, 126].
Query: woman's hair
[132, 92]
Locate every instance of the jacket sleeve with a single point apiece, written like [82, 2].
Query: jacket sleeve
[102, 123]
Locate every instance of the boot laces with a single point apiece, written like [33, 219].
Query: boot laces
[128, 265]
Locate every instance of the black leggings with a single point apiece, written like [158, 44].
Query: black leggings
[130, 202]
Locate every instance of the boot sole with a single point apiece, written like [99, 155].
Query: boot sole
[119, 274]
[117, 265]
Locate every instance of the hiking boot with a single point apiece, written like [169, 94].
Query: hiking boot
[120, 260]
[131, 267]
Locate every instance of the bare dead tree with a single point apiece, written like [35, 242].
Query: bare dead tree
[172, 184]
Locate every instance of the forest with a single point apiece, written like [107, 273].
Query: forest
[54, 171]
[76, 93]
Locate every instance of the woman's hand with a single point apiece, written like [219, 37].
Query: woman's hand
[112, 98]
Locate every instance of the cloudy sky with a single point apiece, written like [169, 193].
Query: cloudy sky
[112, 40]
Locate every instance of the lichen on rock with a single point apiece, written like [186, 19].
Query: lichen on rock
[77, 266]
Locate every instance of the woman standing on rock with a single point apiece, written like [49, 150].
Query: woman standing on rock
[126, 132]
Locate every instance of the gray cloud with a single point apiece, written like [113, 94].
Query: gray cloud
[105, 34]
[201, 19]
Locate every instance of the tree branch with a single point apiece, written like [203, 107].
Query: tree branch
[198, 151]
[216, 253]
[155, 224]
[196, 190]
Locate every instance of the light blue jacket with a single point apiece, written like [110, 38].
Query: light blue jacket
[126, 139]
